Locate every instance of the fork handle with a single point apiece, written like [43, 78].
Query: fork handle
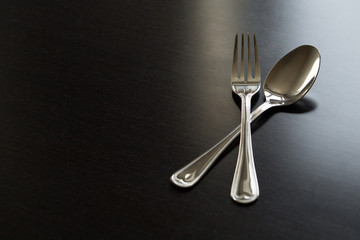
[245, 188]
[190, 174]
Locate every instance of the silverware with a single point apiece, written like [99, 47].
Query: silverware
[288, 81]
[245, 188]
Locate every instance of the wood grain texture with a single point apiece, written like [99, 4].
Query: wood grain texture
[101, 101]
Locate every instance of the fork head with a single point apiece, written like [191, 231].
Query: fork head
[249, 84]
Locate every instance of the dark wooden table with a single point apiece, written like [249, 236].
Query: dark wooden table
[101, 101]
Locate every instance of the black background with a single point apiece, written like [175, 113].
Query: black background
[101, 101]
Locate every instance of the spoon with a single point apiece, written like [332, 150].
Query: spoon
[287, 82]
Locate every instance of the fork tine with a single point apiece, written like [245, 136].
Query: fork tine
[242, 78]
[235, 59]
[249, 76]
[257, 64]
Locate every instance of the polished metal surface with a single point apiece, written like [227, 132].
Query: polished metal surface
[245, 188]
[296, 72]
[303, 62]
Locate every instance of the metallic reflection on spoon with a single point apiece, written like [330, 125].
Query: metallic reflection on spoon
[288, 81]
[300, 66]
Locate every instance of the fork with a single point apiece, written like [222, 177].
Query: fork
[245, 188]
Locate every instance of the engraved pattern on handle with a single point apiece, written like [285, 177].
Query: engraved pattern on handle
[245, 188]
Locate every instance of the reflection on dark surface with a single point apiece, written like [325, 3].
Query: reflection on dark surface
[302, 106]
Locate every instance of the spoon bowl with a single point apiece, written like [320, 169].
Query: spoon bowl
[293, 76]
[290, 79]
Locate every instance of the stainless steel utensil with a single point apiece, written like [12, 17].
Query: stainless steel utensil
[244, 188]
[288, 81]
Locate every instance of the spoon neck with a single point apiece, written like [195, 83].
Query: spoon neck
[259, 110]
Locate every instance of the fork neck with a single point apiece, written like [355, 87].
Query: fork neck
[246, 98]
[245, 106]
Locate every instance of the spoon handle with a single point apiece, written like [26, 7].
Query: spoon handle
[195, 170]
[245, 188]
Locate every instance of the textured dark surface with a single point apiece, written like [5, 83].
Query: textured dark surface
[101, 101]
